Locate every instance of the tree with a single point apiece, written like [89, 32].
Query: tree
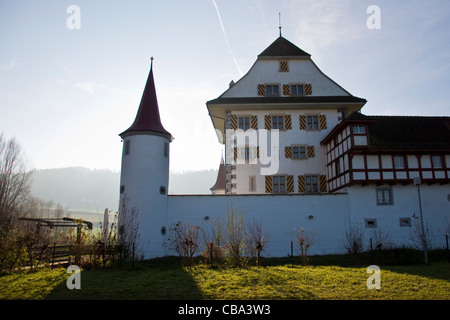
[235, 237]
[304, 239]
[15, 179]
[256, 240]
[184, 240]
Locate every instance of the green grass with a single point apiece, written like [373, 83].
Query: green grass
[279, 279]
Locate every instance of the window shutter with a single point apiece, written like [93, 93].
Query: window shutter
[283, 66]
[310, 151]
[234, 125]
[290, 183]
[286, 89]
[301, 184]
[308, 89]
[261, 90]
[268, 122]
[323, 121]
[235, 153]
[268, 184]
[254, 122]
[256, 152]
[287, 122]
[302, 119]
[288, 152]
[323, 183]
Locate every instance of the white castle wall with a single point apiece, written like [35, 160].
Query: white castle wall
[328, 215]
[435, 207]
[279, 215]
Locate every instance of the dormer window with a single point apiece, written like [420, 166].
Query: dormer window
[359, 129]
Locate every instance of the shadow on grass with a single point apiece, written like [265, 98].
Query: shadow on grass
[404, 260]
[156, 279]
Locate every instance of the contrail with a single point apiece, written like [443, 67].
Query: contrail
[226, 39]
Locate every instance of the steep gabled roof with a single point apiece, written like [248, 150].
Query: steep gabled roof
[409, 132]
[283, 48]
[147, 118]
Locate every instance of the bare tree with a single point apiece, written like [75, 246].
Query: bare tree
[256, 240]
[235, 237]
[184, 240]
[127, 229]
[15, 179]
[304, 239]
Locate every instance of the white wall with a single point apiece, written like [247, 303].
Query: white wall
[435, 206]
[144, 170]
[278, 214]
[300, 70]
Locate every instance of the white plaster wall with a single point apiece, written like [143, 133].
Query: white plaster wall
[279, 215]
[143, 172]
[435, 206]
[300, 71]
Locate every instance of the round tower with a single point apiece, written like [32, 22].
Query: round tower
[144, 178]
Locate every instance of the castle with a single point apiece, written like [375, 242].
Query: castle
[299, 153]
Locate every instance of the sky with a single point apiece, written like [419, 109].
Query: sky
[71, 81]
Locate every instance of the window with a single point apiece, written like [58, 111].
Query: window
[278, 122]
[297, 90]
[312, 122]
[299, 152]
[384, 196]
[359, 129]
[311, 184]
[437, 161]
[246, 153]
[371, 223]
[244, 123]
[252, 183]
[272, 90]
[399, 162]
[279, 184]
[405, 222]
[126, 147]
[337, 167]
[166, 149]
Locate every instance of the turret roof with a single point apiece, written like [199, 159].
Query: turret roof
[147, 118]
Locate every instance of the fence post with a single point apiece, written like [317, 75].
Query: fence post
[292, 253]
[132, 261]
[211, 254]
[448, 251]
[53, 255]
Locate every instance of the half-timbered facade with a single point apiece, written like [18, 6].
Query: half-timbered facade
[387, 150]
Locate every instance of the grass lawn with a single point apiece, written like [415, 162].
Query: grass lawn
[166, 279]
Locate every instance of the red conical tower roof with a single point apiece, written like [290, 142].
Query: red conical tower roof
[147, 119]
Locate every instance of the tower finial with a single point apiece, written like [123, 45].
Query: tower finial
[151, 63]
[279, 22]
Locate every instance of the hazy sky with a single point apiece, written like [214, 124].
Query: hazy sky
[66, 94]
